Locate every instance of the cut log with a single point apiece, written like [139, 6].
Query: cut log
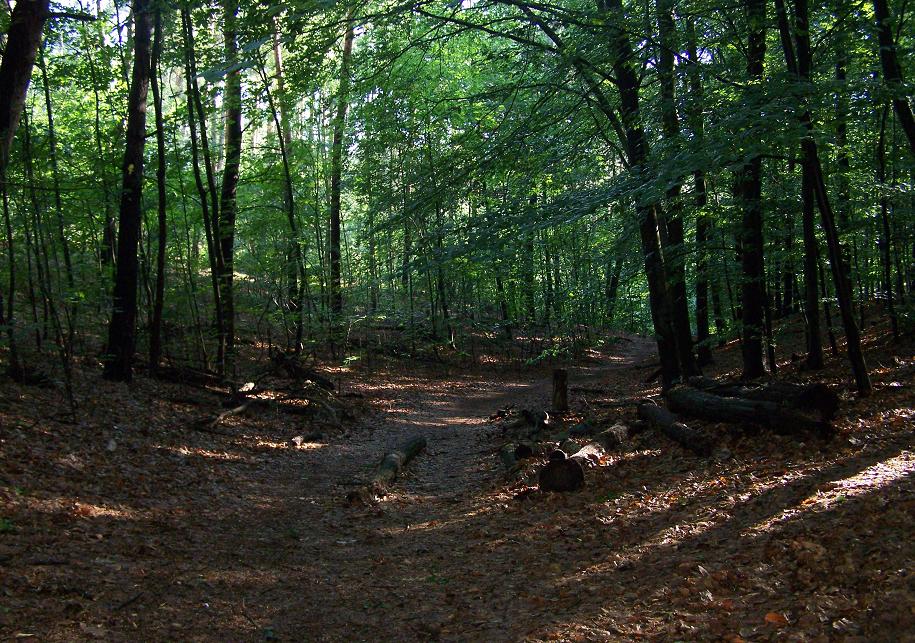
[560, 390]
[613, 437]
[561, 475]
[815, 399]
[780, 418]
[669, 425]
[589, 455]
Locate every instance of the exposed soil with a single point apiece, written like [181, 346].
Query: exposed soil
[131, 525]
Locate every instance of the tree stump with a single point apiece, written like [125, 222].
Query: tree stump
[561, 475]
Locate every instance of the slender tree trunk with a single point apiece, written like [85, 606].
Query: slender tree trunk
[209, 203]
[155, 330]
[122, 328]
[675, 250]
[749, 188]
[799, 67]
[55, 173]
[886, 241]
[811, 263]
[703, 222]
[336, 296]
[228, 203]
[279, 107]
[627, 83]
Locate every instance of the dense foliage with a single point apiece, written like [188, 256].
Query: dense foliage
[458, 167]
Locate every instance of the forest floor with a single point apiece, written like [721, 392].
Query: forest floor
[130, 524]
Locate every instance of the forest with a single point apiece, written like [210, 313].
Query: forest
[457, 319]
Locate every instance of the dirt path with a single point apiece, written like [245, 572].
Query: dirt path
[395, 571]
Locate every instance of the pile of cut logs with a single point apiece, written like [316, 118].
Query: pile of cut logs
[783, 407]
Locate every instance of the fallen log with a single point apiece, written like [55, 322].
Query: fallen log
[290, 364]
[388, 469]
[210, 423]
[816, 398]
[186, 375]
[393, 463]
[782, 419]
[669, 425]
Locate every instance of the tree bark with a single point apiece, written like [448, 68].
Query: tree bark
[816, 399]
[703, 221]
[674, 240]
[23, 39]
[781, 418]
[886, 242]
[668, 424]
[209, 202]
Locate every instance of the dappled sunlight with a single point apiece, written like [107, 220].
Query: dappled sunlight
[833, 493]
[224, 456]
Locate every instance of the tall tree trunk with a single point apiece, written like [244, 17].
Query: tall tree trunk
[209, 202]
[155, 330]
[22, 41]
[336, 171]
[228, 204]
[627, 83]
[749, 188]
[703, 221]
[122, 328]
[55, 175]
[279, 107]
[799, 67]
[811, 263]
[675, 240]
[886, 241]
[892, 71]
